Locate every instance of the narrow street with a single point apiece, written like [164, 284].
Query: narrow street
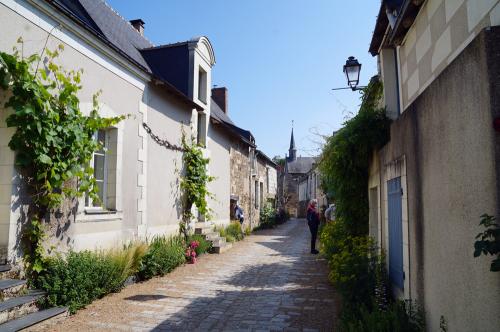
[267, 282]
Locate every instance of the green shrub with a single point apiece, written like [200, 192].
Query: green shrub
[248, 230]
[345, 159]
[399, 316]
[81, 277]
[267, 217]
[204, 245]
[164, 255]
[230, 238]
[359, 274]
[232, 232]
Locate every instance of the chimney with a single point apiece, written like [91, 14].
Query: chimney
[138, 24]
[219, 95]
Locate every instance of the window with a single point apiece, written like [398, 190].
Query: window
[202, 85]
[105, 162]
[201, 129]
[261, 192]
[256, 195]
[267, 179]
[99, 163]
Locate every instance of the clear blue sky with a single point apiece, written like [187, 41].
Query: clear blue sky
[278, 58]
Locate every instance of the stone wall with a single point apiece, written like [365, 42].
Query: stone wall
[291, 194]
[240, 172]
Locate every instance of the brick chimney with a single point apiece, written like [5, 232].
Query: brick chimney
[138, 24]
[219, 95]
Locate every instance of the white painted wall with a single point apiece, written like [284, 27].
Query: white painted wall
[219, 146]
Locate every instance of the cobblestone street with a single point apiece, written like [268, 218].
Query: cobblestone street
[269, 281]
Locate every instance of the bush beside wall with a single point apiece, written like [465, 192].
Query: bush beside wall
[82, 277]
[233, 232]
[204, 245]
[78, 278]
[164, 255]
[358, 272]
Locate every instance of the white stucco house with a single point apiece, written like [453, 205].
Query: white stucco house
[161, 87]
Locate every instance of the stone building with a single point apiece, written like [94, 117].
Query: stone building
[309, 188]
[295, 169]
[253, 175]
[440, 171]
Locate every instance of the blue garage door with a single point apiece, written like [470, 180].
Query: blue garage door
[394, 193]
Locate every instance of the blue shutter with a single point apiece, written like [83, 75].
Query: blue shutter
[394, 194]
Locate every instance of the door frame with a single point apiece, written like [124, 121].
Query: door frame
[394, 169]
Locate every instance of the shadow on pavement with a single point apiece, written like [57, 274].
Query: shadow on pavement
[144, 298]
[293, 294]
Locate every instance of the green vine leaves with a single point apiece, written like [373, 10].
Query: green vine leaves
[194, 182]
[488, 242]
[53, 140]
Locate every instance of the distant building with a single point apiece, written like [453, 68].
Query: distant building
[309, 188]
[296, 171]
[253, 175]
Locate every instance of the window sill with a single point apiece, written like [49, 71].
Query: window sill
[90, 210]
[93, 215]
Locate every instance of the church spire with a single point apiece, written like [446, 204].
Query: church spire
[292, 152]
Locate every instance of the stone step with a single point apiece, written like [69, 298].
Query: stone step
[19, 306]
[218, 242]
[204, 230]
[6, 271]
[222, 248]
[11, 287]
[203, 225]
[212, 236]
[32, 319]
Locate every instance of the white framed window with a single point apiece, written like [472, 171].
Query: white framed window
[104, 163]
[99, 163]
[202, 85]
[201, 135]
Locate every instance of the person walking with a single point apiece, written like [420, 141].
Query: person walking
[330, 213]
[313, 222]
[238, 213]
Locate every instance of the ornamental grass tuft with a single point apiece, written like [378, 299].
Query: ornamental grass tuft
[78, 278]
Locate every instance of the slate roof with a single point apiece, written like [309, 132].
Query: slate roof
[107, 24]
[301, 165]
[266, 158]
[219, 115]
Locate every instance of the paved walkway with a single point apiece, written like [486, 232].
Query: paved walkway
[267, 282]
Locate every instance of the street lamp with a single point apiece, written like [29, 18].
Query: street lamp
[352, 69]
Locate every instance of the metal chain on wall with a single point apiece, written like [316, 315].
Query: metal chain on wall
[161, 142]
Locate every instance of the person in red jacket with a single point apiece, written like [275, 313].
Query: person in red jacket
[313, 222]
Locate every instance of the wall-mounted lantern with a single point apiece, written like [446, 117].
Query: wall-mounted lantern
[352, 68]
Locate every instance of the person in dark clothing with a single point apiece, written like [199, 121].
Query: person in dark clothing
[313, 222]
[238, 212]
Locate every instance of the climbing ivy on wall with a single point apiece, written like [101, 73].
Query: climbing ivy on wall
[53, 140]
[345, 159]
[194, 182]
